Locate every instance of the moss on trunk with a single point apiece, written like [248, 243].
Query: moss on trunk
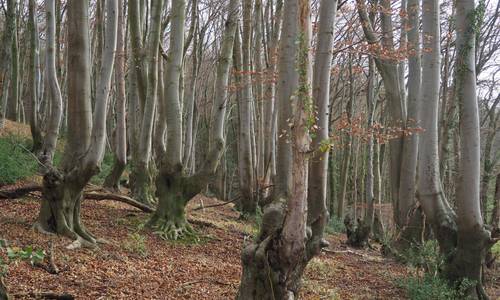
[174, 192]
[112, 181]
[60, 208]
[267, 272]
[141, 183]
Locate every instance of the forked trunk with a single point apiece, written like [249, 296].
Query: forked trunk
[274, 262]
[174, 189]
[62, 190]
[473, 239]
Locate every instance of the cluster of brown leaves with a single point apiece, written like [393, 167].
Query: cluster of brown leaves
[356, 127]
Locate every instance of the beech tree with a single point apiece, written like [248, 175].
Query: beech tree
[120, 134]
[174, 187]
[274, 262]
[462, 236]
[62, 187]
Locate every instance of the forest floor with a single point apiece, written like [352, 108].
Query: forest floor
[136, 264]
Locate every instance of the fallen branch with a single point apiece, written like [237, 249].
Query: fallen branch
[19, 192]
[342, 252]
[216, 205]
[93, 195]
[119, 198]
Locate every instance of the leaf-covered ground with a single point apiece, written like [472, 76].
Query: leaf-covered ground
[137, 264]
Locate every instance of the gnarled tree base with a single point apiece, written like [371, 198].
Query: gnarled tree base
[174, 192]
[468, 259]
[60, 209]
[357, 234]
[267, 273]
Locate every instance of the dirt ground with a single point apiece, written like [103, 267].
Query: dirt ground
[137, 264]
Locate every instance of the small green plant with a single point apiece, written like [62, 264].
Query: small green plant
[136, 243]
[496, 249]
[335, 225]
[15, 160]
[427, 282]
[424, 257]
[28, 253]
[433, 287]
[33, 256]
[106, 167]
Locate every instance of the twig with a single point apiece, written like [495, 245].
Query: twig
[342, 252]
[216, 205]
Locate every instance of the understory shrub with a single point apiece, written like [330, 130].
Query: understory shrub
[335, 225]
[16, 162]
[426, 282]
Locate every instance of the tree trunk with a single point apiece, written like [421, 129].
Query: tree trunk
[62, 191]
[54, 92]
[113, 179]
[495, 214]
[408, 183]
[473, 239]
[190, 95]
[143, 66]
[33, 79]
[270, 107]
[369, 182]
[430, 193]
[13, 98]
[248, 204]
[174, 189]
[274, 262]
[317, 190]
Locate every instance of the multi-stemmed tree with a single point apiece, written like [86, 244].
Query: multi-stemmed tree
[84, 150]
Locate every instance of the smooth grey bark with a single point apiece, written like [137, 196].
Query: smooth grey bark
[190, 95]
[147, 91]
[62, 189]
[33, 79]
[246, 156]
[54, 91]
[430, 193]
[224, 62]
[270, 107]
[13, 96]
[274, 262]
[258, 79]
[113, 179]
[407, 184]
[317, 190]
[369, 181]
[175, 189]
[473, 239]
[173, 70]
[287, 81]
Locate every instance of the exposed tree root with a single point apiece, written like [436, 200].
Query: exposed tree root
[170, 230]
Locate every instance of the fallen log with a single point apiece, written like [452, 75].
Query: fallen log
[93, 195]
